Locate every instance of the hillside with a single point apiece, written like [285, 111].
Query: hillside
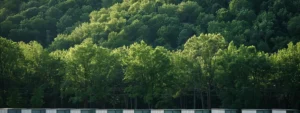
[150, 53]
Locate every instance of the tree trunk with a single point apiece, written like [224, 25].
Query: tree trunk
[149, 106]
[135, 103]
[131, 103]
[194, 98]
[85, 104]
[202, 100]
[126, 101]
[181, 106]
[208, 97]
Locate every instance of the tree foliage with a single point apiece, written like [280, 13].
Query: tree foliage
[149, 53]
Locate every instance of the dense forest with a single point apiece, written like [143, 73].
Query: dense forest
[150, 53]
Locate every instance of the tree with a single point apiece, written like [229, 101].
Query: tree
[263, 25]
[108, 3]
[224, 15]
[293, 26]
[11, 59]
[204, 49]
[87, 65]
[236, 5]
[242, 76]
[37, 99]
[285, 65]
[146, 72]
[188, 11]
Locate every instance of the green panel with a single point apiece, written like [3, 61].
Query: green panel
[230, 111]
[206, 111]
[138, 111]
[233, 111]
[292, 111]
[38, 111]
[268, 111]
[119, 111]
[85, 111]
[63, 111]
[14, 111]
[259, 111]
[146, 111]
[111, 111]
[88, 111]
[168, 111]
[199, 111]
[176, 111]
[172, 111]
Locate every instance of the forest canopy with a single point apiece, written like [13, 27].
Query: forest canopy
[150, 53]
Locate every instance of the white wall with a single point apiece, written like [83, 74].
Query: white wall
[278, 111]
[25, 110]
[128, 111]
[248, 110]
[187, 111]
[217, 110]
[3, 110]
[50, 110]
[157, 111]
[101, 110]
[75, 111]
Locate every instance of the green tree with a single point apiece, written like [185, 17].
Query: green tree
[37, 98]
[204, 49]
[224, 15]
[263, 25]
[11, 59]
[285, 65]
[241, 77]
[146, 72]
[293, 26]
[236, 5]
[86, 65]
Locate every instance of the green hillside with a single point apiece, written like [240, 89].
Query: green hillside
[150, 53]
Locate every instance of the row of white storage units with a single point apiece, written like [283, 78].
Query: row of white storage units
[60, 110]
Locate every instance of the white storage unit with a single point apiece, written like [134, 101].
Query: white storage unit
[187, 111]
[248, 111]
[51, 111]
[217, 110]
[26, 111]
[157, 111]
[75, 111]
[3, 110]
[128, 111]
[278, 111]
[101, 111]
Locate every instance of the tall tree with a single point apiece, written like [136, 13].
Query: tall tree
[204, 48]
[11, 67]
